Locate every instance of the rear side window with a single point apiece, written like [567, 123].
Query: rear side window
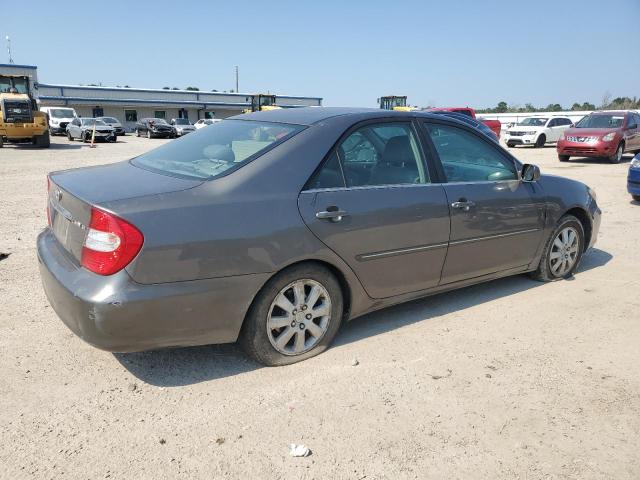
[467, 158]
[374, 155]
[215, 150]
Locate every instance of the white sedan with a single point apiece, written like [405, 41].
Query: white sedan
[537, 131]
[203, 122]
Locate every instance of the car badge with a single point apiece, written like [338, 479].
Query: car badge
[58, 194]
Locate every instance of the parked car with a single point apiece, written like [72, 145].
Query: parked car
[154, 127]
[82, 129]
[272, 228]
[59, 118]
[203, 122]
[182, 126]
[494, 125]
[537, 131]
[474, 122]
[633, 180]
[113, 122]
[601, 134]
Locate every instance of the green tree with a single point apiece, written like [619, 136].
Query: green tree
[166, 88]
[193, 89]
[502, 107]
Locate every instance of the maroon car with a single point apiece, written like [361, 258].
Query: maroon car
[601, 134]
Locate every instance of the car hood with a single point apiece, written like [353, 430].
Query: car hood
[589, 132]
[524, 128]
[98, 127]
[160, 126]
[65, 119]
[114, 125]
[117, 181]
[185, 127]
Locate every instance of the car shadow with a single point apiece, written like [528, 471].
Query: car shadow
[626, 158]
[64, 146]
[175, 367]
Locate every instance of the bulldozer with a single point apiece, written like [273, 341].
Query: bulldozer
[395, 102]
[261, 102]
[20, 120]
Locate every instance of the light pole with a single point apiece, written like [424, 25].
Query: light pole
[9, 48]
[237, 79]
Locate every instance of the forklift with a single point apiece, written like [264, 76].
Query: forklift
[395, 102]
[20, 120]
[261, 102]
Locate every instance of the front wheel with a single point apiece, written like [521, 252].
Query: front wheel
[541, 140]
[148, 133]
[511, 145]
[563, 158]
[137, 132]
[617, 157]
[563, 251]
[295, 316]
[635, 197]
[69, 137]
[43, 141]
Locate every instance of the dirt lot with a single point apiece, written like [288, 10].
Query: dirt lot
[510, 379]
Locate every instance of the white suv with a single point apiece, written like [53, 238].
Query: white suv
[537, 131]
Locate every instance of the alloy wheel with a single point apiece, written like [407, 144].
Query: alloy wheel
[299, 317]
[564, 251]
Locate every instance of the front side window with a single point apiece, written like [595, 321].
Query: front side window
[131, 115]
[213, 151]
[467, 158]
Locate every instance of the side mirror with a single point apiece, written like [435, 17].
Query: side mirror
[530, 173]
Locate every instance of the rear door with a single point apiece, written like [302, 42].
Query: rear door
[496, 219]
[372, 202]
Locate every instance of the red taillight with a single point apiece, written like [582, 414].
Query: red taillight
[111, 243]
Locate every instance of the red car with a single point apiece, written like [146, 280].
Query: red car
[494, 125]
[601, 134]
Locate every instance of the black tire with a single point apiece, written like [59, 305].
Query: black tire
[42, 141]
[149, 134]
[635, 197]
[254, 337]
[544, 271]
[1, 141]
[617, 157]
[137, 132]
[86, 137]
[541, 140]
[511, 145]
[563, 158]
[69, 137]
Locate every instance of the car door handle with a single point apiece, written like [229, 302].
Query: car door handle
[463, 204]
[331, 214]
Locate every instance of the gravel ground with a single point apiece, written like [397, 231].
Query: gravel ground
[509, 379]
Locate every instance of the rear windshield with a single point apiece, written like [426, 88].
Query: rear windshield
[601, 121]
[215, 150]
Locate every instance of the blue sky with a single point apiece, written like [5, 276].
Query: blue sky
[455, 52]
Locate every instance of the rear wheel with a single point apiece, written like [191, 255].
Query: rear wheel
[562, 252]
[542, 139]
[635, 197]
[563, 158]
[617, 157]
[295, 316]
[42, 141]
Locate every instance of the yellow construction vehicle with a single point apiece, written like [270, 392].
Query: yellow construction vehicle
[395, 102]
[261, 102]
[20, 120]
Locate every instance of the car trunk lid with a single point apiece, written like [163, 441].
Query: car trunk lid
[72, 193]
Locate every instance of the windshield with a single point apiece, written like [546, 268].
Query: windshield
[158, 121]
[534, 122]
[181, 121]
[61, 113]
[8, 83]
[212, 151]
[92, 121]
[601, 121]
[110, 120]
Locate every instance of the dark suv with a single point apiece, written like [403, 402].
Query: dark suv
[601, 134]
[154, 127]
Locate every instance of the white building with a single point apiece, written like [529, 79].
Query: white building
[131, 104]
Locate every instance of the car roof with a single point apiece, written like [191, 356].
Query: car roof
[311, 115]
[611, 112]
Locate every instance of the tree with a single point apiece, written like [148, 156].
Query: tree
[214, 90]
[193, 89]
[502, 107]
[175, 88]
[166, 88]
[529, 107]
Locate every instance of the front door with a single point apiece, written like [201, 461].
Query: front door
[373, 204]
[496, 219]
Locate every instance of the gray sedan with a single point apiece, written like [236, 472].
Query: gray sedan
[273, 228]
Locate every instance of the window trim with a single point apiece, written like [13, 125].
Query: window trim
[515, 163]
[424, 158]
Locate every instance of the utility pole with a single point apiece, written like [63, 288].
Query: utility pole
[9, 48]
[236, 78]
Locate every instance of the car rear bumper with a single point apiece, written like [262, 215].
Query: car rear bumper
[115, 313]
[633, 181]
[578, 149]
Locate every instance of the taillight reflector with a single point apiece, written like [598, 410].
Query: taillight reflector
[111, 243]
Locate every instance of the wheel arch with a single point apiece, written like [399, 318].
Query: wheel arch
[582, 215]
